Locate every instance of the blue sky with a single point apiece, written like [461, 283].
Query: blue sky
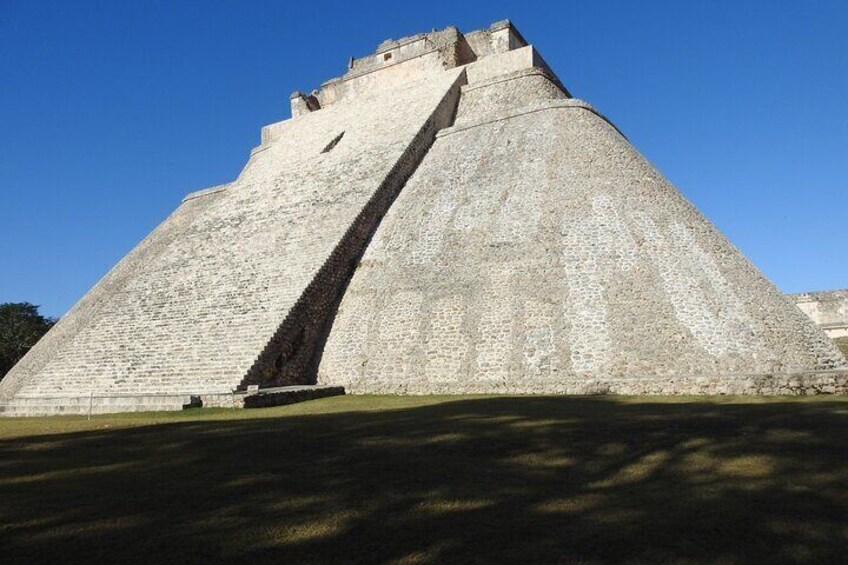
[111, 111]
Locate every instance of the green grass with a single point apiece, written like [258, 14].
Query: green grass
[434, 479]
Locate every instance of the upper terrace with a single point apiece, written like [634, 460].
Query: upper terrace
[408, 58]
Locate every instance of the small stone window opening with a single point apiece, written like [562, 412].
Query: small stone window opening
[333, 143]
[387, 57]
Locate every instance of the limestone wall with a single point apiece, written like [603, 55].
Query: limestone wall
[86, 310]
[446, 219]
[194, 307]
[828, 309]
[534, 250]
[409, 58]
[289, 356]
[397, 62]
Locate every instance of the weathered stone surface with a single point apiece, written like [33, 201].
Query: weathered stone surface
[828, 309]
[534, 250]
[247, 266]
[513, 241]
[108, 403]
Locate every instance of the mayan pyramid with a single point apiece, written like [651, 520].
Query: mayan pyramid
[443, 218]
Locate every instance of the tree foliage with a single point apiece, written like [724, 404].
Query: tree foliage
[21, 326]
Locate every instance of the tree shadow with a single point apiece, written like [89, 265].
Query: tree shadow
[530, 479]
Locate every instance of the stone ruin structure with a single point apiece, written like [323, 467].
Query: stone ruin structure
[443, 218]
[828, 309]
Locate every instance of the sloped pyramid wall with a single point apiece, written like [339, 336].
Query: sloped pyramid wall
[513, 241]
[535, 251]
[231, 288]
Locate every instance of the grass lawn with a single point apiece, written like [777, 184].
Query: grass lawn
[434, 479]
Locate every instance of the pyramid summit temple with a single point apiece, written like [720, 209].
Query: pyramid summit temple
[443, 218]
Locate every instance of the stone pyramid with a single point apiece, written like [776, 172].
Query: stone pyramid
[444, 218]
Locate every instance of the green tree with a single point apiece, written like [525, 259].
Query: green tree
[21, 326]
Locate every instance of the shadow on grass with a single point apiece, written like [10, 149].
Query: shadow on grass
[481, 480]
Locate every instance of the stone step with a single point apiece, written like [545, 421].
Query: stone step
[36, 411]
[52, 405]
[280, 396]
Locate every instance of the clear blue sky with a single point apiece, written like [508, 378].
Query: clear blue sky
[111, 111]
